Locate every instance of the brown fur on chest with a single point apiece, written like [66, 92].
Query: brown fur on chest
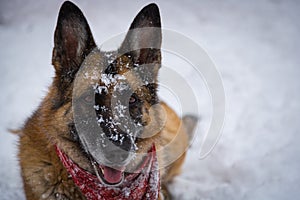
[44, 175]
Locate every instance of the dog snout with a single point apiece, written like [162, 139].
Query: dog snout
[118, 157]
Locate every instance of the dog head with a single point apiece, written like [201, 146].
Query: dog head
[106, 101]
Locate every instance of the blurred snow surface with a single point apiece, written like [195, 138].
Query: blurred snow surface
[254, 44]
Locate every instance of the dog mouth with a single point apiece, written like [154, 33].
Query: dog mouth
[110, 176]
[115, 176]
[116, 183]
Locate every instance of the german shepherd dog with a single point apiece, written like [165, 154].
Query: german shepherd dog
[89, 139]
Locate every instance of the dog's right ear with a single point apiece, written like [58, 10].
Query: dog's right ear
[73, 41]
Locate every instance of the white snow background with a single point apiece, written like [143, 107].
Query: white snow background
[255, 45]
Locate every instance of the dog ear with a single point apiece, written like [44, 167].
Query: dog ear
[73, 41]
[143, 39]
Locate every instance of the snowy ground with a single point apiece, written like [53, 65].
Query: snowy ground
[255, 45]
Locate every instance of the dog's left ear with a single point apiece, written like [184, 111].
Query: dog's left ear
[73, 41]
[143, 40]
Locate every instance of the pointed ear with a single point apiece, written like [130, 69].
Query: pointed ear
[73, 41]
[143, 39]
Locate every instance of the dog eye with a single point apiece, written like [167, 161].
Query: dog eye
[132, 99]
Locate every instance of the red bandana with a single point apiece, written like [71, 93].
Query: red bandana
[141, 186]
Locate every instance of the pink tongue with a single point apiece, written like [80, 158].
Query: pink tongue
[111, 175]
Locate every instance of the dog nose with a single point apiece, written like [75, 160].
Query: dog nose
[119, 153]
[117, 156]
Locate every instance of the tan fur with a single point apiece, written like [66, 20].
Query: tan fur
[43, 174]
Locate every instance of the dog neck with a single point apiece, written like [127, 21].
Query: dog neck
[145, 185]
